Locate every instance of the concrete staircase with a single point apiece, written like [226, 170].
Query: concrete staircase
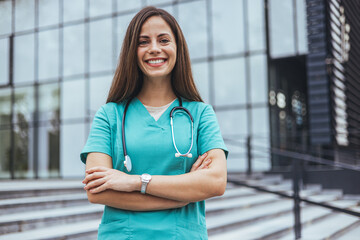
[58, 209]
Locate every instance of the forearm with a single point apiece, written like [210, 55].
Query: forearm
[189, 187]
[133, 201]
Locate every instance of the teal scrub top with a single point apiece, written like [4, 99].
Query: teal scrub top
[150, 147]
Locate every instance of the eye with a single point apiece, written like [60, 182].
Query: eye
[164, 40]
[143, 42]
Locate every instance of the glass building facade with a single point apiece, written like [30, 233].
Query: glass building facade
[57, 59]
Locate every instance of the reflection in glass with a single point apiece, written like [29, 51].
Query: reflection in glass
[100, 45]
[74, 50]
[99, 89]
[24, 105]
[48, 12]
[258, 79]
[201, 78]
[98, 8]
[4, 61]
[48, 150]
[73, 99]
[49, 54]
[194, 26]
[24, 15]
[228, 39]
[5, 13]
[230, 82]
[5, 106]
[23, 150]
[5, 148]
[72, 140]
[24, 59]
[49, 100]
[302, 25]
[256, 23]
[73, 10]
[123, 5]
[281, 32]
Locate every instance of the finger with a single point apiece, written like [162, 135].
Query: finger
[205, 164]
[96, 169]
[93, 176]
[99, 189]
[95, 183]
[198, 162]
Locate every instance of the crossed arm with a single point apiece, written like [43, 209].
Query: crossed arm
[114, 188]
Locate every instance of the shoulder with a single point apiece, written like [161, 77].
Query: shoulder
[111, 111]
[198, 107]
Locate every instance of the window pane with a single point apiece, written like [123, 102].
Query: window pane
[100, 45]
[73, 10]
[201, 78]
[5, 106]
[302, 25]
[74, 50]
[193, 25]
[98, 8]
[48, 149]
[24, 59]
[4, 61]
[49, 54]
[24, 105]
[281, 28]
[48, 12]
[230, 86]
[99, 89]
[123, 5]
[122, 24]
[5, 13]
[5, 148]
[228, 39]
[256, 23]
[258, 76]
[49, 97]
[260, 121]
[24, 150]
[72, 140]
[73, 99]
[157, 2]
[24, 15]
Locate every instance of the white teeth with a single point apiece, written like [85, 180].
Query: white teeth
[156, 61]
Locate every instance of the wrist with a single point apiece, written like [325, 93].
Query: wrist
[136, 183]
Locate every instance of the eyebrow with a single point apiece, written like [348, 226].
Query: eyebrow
[160, 35]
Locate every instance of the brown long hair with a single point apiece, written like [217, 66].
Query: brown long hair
[128, 77]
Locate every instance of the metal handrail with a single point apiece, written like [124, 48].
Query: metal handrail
[297, 158]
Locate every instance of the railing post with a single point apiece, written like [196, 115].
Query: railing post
[249, 156]
[296, 189]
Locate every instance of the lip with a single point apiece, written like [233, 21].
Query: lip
[155, 64]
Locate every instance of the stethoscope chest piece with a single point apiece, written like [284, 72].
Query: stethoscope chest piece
[127, 163]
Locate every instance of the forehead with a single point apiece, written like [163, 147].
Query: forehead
[155, 25]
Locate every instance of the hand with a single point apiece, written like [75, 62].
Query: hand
[102, 178]
[201, 163]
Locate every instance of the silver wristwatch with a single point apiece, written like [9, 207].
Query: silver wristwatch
[145, 179]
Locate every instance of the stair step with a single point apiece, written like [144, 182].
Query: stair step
[351, 234]
[84, 230]
[243, 202]
[234, 192]
[241, 217]
[41, 202]
[31, 188]
[19, 222]
[326, 228]
[272, 228]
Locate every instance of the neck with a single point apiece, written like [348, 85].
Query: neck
[156, 92]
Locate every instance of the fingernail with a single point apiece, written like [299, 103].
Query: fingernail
[209, 160]
[204, 155]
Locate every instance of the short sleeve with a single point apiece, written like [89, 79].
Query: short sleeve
[99, 139]
[209, 135]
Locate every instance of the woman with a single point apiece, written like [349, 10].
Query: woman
[159, 192]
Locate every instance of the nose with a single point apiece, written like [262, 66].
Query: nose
[154, 48]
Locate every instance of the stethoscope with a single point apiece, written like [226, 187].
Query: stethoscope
[173, 111]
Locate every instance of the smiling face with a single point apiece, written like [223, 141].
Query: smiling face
[156, 52]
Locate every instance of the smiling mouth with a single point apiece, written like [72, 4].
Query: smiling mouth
[156, 62]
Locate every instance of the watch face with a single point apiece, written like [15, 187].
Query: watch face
[146, 177]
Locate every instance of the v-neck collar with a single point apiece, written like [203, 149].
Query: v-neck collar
[164, 118]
